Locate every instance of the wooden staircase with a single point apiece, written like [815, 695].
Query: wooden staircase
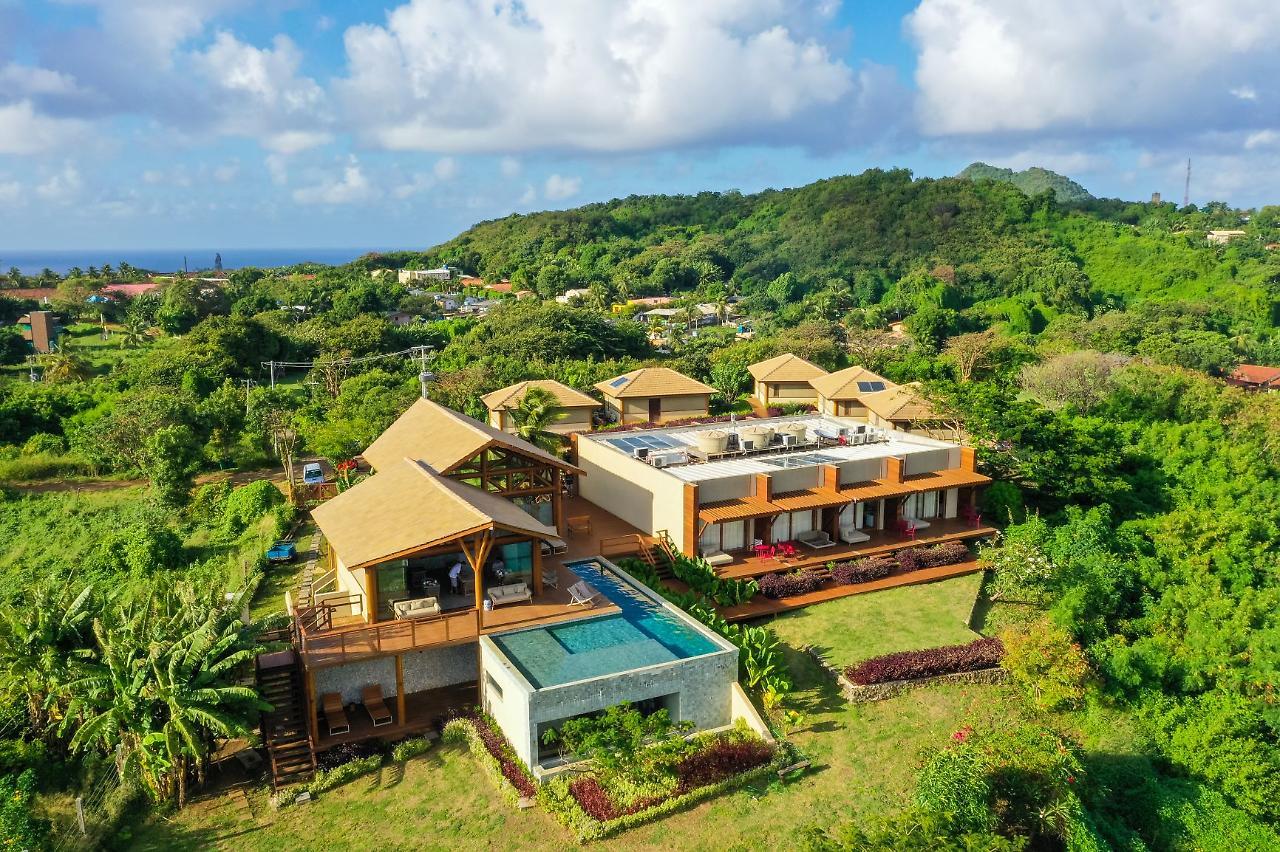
[284, 727]
[655, 551]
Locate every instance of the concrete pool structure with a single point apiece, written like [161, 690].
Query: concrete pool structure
[649, 653]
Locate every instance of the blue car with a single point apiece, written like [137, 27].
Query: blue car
[282, 551]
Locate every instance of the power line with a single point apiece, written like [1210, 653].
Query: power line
[420, 352]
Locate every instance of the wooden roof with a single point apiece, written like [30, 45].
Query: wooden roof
[785, 368]
[737, 509]
[408, 507]
[510, 396]
[901, 402]
[843, 384]
[808, 498]
[444, 439]
[652, 381]
[953, 478]
[875, 489]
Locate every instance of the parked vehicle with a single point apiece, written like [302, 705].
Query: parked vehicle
[312, 474]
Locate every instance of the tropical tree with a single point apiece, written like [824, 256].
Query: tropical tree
[134, 332]
[164, 687]
[44, 637]
[532, 416]
[63, 365]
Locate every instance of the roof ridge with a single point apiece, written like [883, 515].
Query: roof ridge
[430, 474]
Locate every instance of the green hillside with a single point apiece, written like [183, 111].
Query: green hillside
[1032, 181]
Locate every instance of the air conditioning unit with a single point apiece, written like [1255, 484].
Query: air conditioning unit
[660, 461]
[732, 443]
[640, 453]
[790, 440]
[748, 444]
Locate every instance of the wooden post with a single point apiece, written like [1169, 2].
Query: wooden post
[893, 469]
[967, 459]
[764, 487]
[537, 565]
[309, 679]
[689, 547]
[830, 478]
[400, 702]
[371, 594]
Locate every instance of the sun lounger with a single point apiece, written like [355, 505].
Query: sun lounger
[372, 697]
[816, 539]
[582, 594]
[853, 535]
[334, 714]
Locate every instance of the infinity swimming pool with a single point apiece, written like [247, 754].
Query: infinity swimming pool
[644, 633]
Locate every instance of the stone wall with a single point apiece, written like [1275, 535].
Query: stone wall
[422, 670]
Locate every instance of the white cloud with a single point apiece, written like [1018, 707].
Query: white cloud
[27, 80]
[295, 141]
[1091, 66]
[1245, 93]
[23, 130]
[1262, 139]
[351, 188]
[420, 182]
[478, 75]
[227, 172]
[509, 166]
[529, 196]
[559, 187]
[278, 167]
[10, 192]
[446, 168]
[61, 187]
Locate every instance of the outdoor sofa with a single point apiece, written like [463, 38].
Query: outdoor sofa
[510, 593]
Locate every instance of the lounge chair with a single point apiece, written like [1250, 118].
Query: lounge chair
[550, 577]
[582, 594]
[853, 535]
[918, 524]
[816, 539]
[371, 696]
[334, 714]
[716, 558]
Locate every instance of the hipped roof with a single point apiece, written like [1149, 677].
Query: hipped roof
[510, 396]
[444, 439]
[652, 381]
[408, 507]
[785, 368]
[843, 384]
[899, 403]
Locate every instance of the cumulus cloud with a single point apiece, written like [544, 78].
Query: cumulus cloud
[559, 187]
[351, 187]
[475, 75]
[62, 187]
[28, 80]
[24, 130]
[1092, 66]
[446, 168]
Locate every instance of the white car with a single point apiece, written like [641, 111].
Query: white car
[312, 474]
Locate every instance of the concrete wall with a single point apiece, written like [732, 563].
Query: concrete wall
[673, 408]
[643, 496]
[729, 488]
[861, 470]
[574, 420]
[794, 480]
[927, 460]
[353, 582]
[506, 698]
[792, 392]
[427, 669]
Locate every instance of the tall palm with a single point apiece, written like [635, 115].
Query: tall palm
[532, 416]
[63, 365]
[44, 640]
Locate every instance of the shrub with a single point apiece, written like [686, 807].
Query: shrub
[140, 548]
[1050, 668]
[19, 827]
[344, 754]
[246, 504]
[788, 585]
[328, 779]
[909, 665]
[43, 442]
[493, 749]
[409, 749]
[862, 570]
[720, 760]
[948, 553]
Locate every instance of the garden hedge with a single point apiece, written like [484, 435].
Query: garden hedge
[907, 665]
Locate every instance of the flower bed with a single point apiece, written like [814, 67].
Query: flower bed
[718, 763]
[493, 751]
[787, 585]
[862, 570]
[947, 553]
[909, 665]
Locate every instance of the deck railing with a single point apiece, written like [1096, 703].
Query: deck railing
[342, 644]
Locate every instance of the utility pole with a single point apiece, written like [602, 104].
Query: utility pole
[272, 366]
[1186, 189]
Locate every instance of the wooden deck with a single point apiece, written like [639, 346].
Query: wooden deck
[423, 711]
[760, 606]
[746, 564]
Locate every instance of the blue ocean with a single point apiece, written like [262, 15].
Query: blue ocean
[171, 260]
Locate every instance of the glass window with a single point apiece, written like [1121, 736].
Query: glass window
[513, 563]
[710, 539]
[541, 507]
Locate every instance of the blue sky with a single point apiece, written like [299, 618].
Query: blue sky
[164, 123]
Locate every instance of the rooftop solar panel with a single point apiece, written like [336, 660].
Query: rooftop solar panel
[870, 387]
[619, 382]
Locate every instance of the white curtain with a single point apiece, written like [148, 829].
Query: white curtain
[801, 522]
[710, 538]
[781, 528]
[930, 508]
[733, 536]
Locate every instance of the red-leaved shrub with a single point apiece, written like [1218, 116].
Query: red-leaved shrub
[593, 799]
[909, 665]
[948, 553]
[862, 570]
[497, 746]
[720, 761]
[788, 585]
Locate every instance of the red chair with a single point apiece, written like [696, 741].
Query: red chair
[907, 529]
[787, 548]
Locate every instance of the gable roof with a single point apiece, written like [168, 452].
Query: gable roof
[510, 396]
[407, 507]
[1253, 374]
[444, 438]
[652, 381]
[843, 384]
[899, 403]
[785, 368]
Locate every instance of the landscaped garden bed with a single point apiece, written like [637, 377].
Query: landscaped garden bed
[806, 580]
[893, 674]
[643, 768]
[490, 747]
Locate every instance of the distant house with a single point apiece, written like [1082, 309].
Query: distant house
[901, 407]
[785, 379]
[414, 276]
[843, 393]
[575, 293]
[470, 281]
[131, 290]
[576, 406]
[651, 301]
[43, 295]
[503, 286]
[401, 317]
[41, 330]
[1221, 238]
[1255, 377]
[655, 395]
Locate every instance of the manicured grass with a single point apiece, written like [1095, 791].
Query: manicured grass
[848, 630]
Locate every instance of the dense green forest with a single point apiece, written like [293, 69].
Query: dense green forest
[1082, 344]
[1032, 181]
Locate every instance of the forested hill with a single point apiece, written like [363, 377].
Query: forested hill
[886, 239]
[1032, 181]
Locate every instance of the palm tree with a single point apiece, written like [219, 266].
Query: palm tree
[537, 410]
[44, 640]
[63, 365]
[134, 331]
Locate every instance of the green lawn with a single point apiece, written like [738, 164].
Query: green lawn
[864, 759]
[852, 629]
